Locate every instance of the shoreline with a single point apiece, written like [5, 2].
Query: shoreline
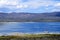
[20, 33]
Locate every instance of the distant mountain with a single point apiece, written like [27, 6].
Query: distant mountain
[29, 17]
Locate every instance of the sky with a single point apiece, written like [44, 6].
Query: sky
[32, 6]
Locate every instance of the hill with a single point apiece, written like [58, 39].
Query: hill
[30, 17]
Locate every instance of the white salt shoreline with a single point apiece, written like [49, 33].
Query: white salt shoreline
[19, 33]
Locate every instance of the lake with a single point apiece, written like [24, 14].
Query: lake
[29, 27]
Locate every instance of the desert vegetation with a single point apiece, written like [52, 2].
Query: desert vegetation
[32, 37]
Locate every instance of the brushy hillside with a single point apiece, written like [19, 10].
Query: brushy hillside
[32, 37]
[30, 17]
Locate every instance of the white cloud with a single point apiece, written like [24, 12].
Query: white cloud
[30, 4]
[56, 9]
[21, 6]
[36, 4]
[57, 4]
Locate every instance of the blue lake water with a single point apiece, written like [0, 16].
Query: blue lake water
[29, 27]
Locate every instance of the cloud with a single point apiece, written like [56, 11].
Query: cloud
[57, 5]
[22, 5]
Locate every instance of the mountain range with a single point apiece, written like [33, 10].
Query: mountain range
[30, 17]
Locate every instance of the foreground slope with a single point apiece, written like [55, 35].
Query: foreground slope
[32, 37]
